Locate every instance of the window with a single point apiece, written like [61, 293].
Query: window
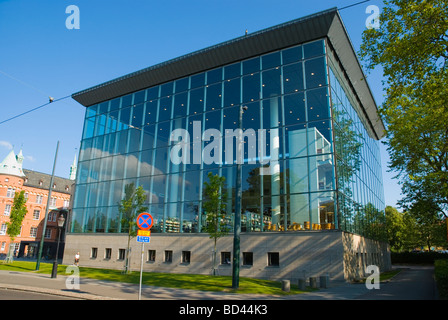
[3, 229]
[121, 254]
[168, 256]
[248, 258]
[3, 246]
[10, 193]
[186, 257]
[107, 253]
[314, 49]
[66, 203]
[7, 210]
[52, 216]
[47, 233]
[39, 199]
[151, 255]
[273, 259]
[33, 232]
[53, 202]
[36, 214]
[225, 257]
[94, 253]
[315, 73]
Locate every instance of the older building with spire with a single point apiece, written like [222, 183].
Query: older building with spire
[14, 179]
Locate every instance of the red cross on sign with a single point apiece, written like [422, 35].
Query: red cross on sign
[144, 221]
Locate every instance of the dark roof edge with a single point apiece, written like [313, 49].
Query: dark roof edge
[361, 85]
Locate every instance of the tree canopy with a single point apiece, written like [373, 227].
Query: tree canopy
[411, 47]
[17, 215]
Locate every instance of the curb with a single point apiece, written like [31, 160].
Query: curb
[68, 294]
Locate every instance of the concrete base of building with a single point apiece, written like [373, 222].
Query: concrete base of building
[267, 255]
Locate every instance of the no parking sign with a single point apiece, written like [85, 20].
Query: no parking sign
[144, 223]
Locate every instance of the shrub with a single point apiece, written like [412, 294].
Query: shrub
[441, 275]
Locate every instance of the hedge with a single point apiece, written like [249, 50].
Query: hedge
[417, 257]
[441, 275]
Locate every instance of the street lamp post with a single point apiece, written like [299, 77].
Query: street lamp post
[61, 221]
[238, 196]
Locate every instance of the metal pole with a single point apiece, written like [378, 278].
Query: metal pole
[39, 256]
[237, 221]
[141, 272]
[54, 271]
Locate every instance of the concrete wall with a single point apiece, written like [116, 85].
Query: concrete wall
[301, 254]
[360, 252]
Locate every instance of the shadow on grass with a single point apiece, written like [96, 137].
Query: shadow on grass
[170, 280]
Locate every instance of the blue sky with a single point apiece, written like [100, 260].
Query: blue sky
[40, 57]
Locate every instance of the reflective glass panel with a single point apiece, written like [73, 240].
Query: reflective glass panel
[139, 97]
[294, 108]
[214, 97]
[196, 101]
[251, 66]
[197, 81]
[214, 76]
[270, 60]
[292, 55]
[251, 87]
[315, 71]
[232, 92]
[293, 78]
[313, 49]
[271, 83]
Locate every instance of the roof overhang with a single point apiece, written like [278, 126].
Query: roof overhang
[320, 25]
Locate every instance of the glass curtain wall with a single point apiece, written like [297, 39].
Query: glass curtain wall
[286, 93]
[359, 177]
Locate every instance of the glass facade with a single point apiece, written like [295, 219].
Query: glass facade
[291, 94]
[359, 178]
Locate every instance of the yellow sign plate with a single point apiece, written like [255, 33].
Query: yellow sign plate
[144, 233]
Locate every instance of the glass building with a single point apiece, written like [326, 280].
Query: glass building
[303, 89]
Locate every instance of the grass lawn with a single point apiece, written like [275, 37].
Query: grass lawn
[171, 280]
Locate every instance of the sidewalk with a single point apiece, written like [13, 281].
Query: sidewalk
[91, 289]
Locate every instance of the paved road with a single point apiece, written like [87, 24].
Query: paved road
[8, 294]
[413, 283]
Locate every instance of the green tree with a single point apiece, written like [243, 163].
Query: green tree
[431, 230]
[214, 206]
[130, 207]
[18, 212]
[401, 230]
[411, 47]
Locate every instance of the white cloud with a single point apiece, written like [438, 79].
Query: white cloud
[6, 145]
[30, 158]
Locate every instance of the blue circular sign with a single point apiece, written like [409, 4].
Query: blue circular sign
[145, 221]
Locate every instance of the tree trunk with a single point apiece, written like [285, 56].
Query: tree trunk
[126, 266]
[214, 258]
